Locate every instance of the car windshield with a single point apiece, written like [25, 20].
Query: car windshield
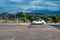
[40, 20]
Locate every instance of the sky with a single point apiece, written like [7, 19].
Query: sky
[29, 5]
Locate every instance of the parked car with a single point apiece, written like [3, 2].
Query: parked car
[40, 21]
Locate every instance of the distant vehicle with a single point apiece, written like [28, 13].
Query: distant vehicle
[40, 21]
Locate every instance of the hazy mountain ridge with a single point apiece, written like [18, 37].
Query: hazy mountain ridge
[38, 12]
[47, 12]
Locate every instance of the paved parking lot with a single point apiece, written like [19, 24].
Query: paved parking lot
[29, 32]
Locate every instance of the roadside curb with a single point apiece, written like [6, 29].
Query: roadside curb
[15, 23]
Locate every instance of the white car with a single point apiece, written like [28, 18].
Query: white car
[39, 22]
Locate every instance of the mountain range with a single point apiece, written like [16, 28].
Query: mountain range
[47, 12]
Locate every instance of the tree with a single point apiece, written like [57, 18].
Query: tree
[54, 18]
[45, 18]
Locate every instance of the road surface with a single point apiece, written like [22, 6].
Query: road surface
[29, 32]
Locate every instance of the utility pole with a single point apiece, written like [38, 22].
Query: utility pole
[16, 19]
[25, 14]
[35, 11]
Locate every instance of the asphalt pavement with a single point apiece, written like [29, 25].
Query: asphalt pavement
[29, 32]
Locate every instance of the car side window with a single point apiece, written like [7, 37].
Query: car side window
[40, 20]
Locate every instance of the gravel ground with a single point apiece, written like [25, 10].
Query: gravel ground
[29, 32]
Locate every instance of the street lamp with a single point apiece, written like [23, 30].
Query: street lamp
[16, 19]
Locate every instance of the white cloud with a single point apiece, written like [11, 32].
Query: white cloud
[48, 3]
[37, 7]
[42, 4]
[16, 0]
[39, 4]
[26, 11]
[53, 8]
[51, 4]
[36, 2]
[22, 7]
[28, 5]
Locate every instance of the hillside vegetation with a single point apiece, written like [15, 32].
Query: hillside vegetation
[6, 17]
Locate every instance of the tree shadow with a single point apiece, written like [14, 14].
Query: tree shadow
[56, 26]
